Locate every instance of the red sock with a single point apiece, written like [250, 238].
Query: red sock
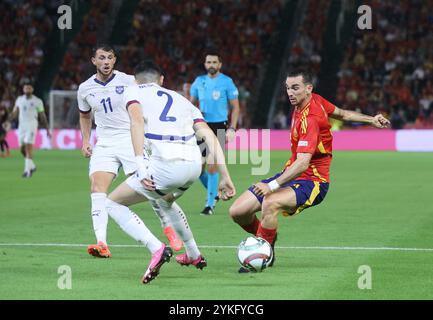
[267, 234]
[253, 226]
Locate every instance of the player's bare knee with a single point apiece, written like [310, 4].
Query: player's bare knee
[270, 206]
[98, 186]
[234, 211]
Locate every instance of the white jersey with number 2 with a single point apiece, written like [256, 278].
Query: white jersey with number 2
[168, 122]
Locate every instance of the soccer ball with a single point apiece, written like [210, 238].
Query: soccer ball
[255, 253]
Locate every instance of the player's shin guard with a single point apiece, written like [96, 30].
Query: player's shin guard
[212, 188]
[99, 216]
[180, 224]
[132, 225]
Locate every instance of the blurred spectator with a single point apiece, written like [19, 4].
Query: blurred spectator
[280, 120]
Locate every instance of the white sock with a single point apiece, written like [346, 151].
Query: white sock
[32, 164]
[99, 216]
[180, 225]
[27, 164]
[132, 225]
[160, 214]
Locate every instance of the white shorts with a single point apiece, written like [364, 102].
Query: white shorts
[27, 134]
[169, 176]
[111, 158]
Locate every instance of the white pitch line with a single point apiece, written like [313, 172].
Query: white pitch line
[224, 247]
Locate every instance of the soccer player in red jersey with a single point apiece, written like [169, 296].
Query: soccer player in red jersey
[304, 180]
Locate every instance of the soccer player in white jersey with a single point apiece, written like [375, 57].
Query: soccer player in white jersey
[102, 93]
[170, 124]
[29, 109]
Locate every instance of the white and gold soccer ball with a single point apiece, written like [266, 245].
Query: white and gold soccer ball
[255, 254]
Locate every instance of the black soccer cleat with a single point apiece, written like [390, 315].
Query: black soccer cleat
[27, 174]
[207, 211]
[243, 270]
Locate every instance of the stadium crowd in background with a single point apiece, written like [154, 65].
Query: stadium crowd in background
[188, 29]
[22, 51]
[305, 52]
[192, 27]
[75, 67]
[390, 69]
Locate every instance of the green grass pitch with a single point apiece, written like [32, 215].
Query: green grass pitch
[379, 203]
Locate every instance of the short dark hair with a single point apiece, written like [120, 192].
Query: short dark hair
[148, 66]
[102, 46]
[307, 76]
[28, 83]
[213, 53]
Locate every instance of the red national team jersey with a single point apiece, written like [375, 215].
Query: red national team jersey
[310, 133]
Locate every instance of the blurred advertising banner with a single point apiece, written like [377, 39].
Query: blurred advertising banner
[265, 139]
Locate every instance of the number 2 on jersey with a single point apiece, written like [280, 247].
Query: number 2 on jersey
[108, 100]
[163, 117]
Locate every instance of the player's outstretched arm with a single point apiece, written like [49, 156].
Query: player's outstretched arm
[216, 155]
[86, 128]
[378, 121]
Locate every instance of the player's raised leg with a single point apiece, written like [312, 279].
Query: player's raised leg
[117, 207]
[178, 220]
[243, 212]
[171, 235]
[100, 182]
[283, 200]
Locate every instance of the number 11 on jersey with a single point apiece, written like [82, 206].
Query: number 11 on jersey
[108, 100]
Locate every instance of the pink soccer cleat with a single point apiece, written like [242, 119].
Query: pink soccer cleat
[158, 259]
[184, 260]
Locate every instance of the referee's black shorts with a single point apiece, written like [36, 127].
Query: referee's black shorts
[219, 129]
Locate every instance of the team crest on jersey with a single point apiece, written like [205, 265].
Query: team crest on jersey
[216, 94]
[120, 89]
